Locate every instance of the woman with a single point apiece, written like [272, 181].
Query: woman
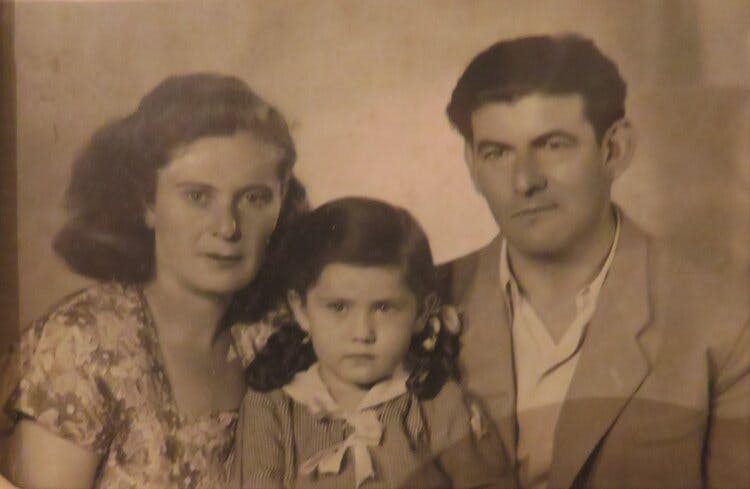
[136, 381]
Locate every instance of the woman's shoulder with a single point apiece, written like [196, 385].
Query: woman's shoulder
[96, 306]
[87, 319]
[112, 297]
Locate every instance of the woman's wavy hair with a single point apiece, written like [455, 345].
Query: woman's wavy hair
[114, 178]
[356, 231]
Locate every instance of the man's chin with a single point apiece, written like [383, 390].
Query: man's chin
[539, 248]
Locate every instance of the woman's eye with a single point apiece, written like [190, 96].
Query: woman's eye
[258, 198]
[197, 196]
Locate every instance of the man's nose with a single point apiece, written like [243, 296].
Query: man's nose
[227, 222]
[363, 330]
[527, 176]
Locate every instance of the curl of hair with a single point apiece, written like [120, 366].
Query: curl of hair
[114, 178]
[286, 352]
[429, 369]
[560, 65]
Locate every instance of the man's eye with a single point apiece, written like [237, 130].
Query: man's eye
[494, 154]
[557, 144]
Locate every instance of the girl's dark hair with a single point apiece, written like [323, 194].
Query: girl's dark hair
[114, 177]
[356, 231]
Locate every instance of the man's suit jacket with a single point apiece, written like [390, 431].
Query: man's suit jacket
[661, 394]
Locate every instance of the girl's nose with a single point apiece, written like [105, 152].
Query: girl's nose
[362, 329]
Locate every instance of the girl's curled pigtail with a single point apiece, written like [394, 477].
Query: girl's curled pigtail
[286, 352]
[432, 358]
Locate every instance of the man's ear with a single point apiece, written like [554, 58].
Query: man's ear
[618, 146]
[471, 164]
[299, 311]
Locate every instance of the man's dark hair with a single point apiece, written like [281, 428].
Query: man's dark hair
[561, 65]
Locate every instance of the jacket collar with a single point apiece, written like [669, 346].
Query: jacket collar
[612, 364]
[611, 367]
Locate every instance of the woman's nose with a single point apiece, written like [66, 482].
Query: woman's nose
[227, 225]
[362, 329]
[527, 177]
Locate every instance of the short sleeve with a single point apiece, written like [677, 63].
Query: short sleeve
[259, 458]
[464, 443]
[58, 383]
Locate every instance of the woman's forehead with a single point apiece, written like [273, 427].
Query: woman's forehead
[240, 156]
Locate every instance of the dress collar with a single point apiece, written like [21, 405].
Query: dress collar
[308, 389]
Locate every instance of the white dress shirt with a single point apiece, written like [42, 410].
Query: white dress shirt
[544, 368]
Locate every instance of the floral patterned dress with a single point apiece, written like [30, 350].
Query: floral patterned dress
[92, 372]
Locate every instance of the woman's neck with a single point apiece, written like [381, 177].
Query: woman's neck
[185, 316]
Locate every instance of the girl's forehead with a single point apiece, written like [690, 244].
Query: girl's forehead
[346, 279]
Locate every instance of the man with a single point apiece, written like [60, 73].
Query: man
[604, 359]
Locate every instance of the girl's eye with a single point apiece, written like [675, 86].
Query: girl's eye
[384, 306]
[197, 196]
[258, 197]
[337, 306]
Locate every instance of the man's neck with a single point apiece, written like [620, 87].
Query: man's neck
[551, 283]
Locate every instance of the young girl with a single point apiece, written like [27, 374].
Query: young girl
[354, 389]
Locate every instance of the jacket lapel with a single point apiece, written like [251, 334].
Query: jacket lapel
[487, 356]
[612, 364]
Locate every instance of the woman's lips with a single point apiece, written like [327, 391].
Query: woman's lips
[223, 258]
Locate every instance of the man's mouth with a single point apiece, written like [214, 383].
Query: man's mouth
[533, 210]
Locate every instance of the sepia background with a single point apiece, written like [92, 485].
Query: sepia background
[364, 85]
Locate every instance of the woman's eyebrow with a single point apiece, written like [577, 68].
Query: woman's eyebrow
[255, 186]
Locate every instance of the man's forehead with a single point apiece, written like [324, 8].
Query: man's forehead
[530, 114]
